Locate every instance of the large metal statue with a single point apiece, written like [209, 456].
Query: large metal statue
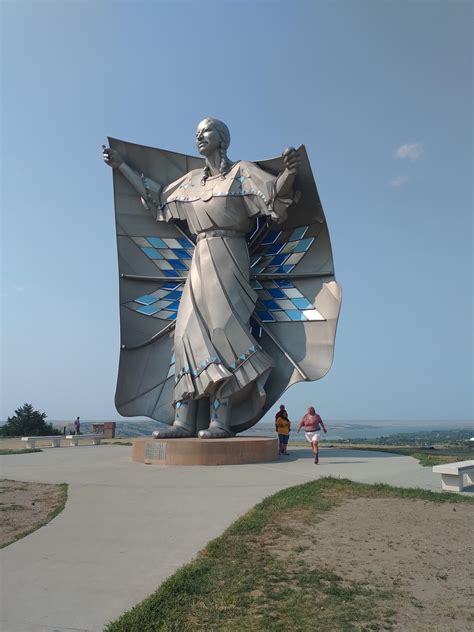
[227, 287]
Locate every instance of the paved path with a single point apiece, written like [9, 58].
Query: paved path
[127, 526]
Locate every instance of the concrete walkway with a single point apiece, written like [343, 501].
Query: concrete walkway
[126, 526]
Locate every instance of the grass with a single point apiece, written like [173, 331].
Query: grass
[427, 457]
[20, 451]
[236, 584]
[52, 514]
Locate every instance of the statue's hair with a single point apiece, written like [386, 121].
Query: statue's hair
[224, 134]
[311, 410]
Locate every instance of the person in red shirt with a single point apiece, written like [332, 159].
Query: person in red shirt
[312, 424]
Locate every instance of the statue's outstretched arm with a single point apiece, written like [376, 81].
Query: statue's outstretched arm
[286, 179]
[147, 189]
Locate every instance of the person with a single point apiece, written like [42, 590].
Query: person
[283, 426]
[216, 356]
[77, 426]
[277, 414]
[312, 424]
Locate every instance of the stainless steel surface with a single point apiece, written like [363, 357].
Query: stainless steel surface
[226, 289]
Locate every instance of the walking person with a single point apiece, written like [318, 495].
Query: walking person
[312, 424]
[282, 410]
[283, 427]
[77, 426]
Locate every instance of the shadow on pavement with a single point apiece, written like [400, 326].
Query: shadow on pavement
[356, 456]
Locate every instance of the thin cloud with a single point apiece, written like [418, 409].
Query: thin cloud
[412, 151]
[399, 181]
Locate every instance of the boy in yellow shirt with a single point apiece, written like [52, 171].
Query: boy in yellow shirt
[283, 427]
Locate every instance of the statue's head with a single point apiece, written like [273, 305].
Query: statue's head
[212, 135]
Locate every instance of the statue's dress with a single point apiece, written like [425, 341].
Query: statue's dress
[215, 353]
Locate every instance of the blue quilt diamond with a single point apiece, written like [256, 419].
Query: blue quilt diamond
[276, 293]
[271, 304]
[185, 243]
[146, 299]
[298, 233]
[265, 316]
[157, 242]
[148, 310]
[302, 303]
[177, 264]
[181, 253]
[175, 295]
[273, 249]
[152, 253]
[295, 314]
[303, 245]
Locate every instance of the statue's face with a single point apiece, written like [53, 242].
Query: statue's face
[207, 138]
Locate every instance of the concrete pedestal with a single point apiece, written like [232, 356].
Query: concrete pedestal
[232, 451]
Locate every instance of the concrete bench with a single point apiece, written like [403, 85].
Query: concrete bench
[77, 437]
[452, 475]
[54, 439]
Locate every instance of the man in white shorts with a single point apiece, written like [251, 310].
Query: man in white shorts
[312, 424]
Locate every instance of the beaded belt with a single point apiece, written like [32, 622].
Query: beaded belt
[219, 233]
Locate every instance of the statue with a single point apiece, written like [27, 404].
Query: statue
[219, 313]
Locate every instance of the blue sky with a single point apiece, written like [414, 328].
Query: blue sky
[380, 93]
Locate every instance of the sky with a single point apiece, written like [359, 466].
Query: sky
[379, 92]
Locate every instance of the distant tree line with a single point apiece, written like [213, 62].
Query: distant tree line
[27, 421]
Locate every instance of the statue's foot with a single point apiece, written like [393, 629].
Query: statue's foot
[174, 432]
[215, 432]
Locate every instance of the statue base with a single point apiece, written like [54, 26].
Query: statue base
[233, 451]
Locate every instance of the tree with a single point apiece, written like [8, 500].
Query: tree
[27, 421]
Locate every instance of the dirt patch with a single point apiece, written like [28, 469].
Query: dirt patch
[24, 507]
[420, 552]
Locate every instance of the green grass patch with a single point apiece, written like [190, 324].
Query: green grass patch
[236, 583]
[20, 451]
[428, 457]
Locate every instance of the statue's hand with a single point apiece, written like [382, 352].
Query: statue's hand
[111, 157]
[292, 160]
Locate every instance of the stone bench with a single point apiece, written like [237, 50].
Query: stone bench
[54, 439]
[452, 475]
[74, 439]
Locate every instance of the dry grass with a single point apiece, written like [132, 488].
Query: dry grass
[26, 507]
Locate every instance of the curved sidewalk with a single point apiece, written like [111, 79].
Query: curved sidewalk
[127, 527]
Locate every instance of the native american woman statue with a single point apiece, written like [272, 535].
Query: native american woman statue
[227, 285]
